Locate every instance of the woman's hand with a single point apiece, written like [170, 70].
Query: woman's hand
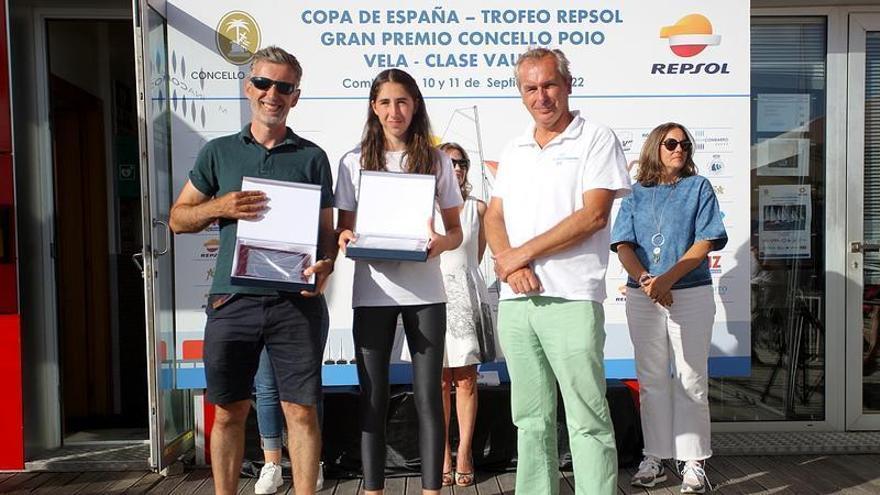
[321, 270]
[665, 301]
[436, 242]
[658, 289]
[345, 236]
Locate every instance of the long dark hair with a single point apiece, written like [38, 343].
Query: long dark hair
[465, 186]
[420, 155]
[651, 167]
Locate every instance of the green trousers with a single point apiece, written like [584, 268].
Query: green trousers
[547, 341]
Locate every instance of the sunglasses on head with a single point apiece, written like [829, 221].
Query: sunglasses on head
[460, 163]
[264, 83]
[671, 143]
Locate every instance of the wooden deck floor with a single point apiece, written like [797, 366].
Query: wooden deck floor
[812, 475]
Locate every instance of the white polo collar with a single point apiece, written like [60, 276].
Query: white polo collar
[572, 131]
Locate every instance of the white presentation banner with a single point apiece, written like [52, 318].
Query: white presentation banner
[634, 65]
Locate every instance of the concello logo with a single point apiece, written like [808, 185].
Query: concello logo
[238, 37]
[687, 38]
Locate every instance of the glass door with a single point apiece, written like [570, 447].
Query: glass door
[171, 416]
[863, 224]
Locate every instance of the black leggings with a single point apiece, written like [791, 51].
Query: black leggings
[374, 329]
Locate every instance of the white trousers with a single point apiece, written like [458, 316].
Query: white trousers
[672, 364]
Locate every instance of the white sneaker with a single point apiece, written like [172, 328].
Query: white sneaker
[270, 479]
[693, 478]
[320, 484]
[650, 472]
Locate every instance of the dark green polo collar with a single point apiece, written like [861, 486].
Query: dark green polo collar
[289, 139]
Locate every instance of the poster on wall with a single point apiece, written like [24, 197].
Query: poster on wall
[691, 66]
[784, 221]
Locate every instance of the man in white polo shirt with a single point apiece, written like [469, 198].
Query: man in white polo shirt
[547, 224]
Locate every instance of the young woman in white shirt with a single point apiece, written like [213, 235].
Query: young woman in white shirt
[397, 138]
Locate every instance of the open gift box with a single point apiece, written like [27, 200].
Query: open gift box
[273, 250]
[393, 212]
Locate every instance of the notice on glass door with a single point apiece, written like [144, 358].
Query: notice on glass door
[784, 217]
[788, 112]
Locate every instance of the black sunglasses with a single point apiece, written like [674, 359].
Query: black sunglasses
[671, 143]
[461, 163]
[264, 83]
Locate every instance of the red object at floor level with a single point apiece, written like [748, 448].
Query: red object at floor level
[11, 416]
[633, 386]
[209, 425]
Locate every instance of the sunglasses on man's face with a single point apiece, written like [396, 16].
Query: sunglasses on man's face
[460, 163]
[671, 144]
[264, 83]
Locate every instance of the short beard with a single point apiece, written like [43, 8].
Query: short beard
[264, 119]
[271, 121]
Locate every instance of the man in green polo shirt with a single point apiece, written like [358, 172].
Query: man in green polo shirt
[241, 320]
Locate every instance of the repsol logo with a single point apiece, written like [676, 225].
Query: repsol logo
[688, 68]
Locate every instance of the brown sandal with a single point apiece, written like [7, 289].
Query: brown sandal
[464, 479]
[449, 478]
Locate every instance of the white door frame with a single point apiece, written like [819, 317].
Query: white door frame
[859, 25]
[165, 449]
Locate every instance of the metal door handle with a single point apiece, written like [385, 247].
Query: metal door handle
[864, 247]
[167, 245]
[138, 258]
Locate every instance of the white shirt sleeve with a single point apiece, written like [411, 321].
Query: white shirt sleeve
[345, 196]
[448, 192]
[499, 186]
[605, 166]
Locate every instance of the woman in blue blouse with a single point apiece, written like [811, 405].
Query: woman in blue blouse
[663, 233]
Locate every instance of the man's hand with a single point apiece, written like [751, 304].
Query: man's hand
[510, 261]
[524, 281]
[322, 270]
[345, 236]
[242, 205]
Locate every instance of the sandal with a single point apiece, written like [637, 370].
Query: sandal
[449, 478]
[464, 479]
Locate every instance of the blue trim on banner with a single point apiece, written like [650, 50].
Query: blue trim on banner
[499, 367]
[166, 380]
[339, 374]
[346, 374]
[191, 378]
[730, 366]
[719, 366]
[465, 97]
[401, 373]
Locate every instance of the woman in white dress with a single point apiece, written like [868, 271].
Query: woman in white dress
[466, 312]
